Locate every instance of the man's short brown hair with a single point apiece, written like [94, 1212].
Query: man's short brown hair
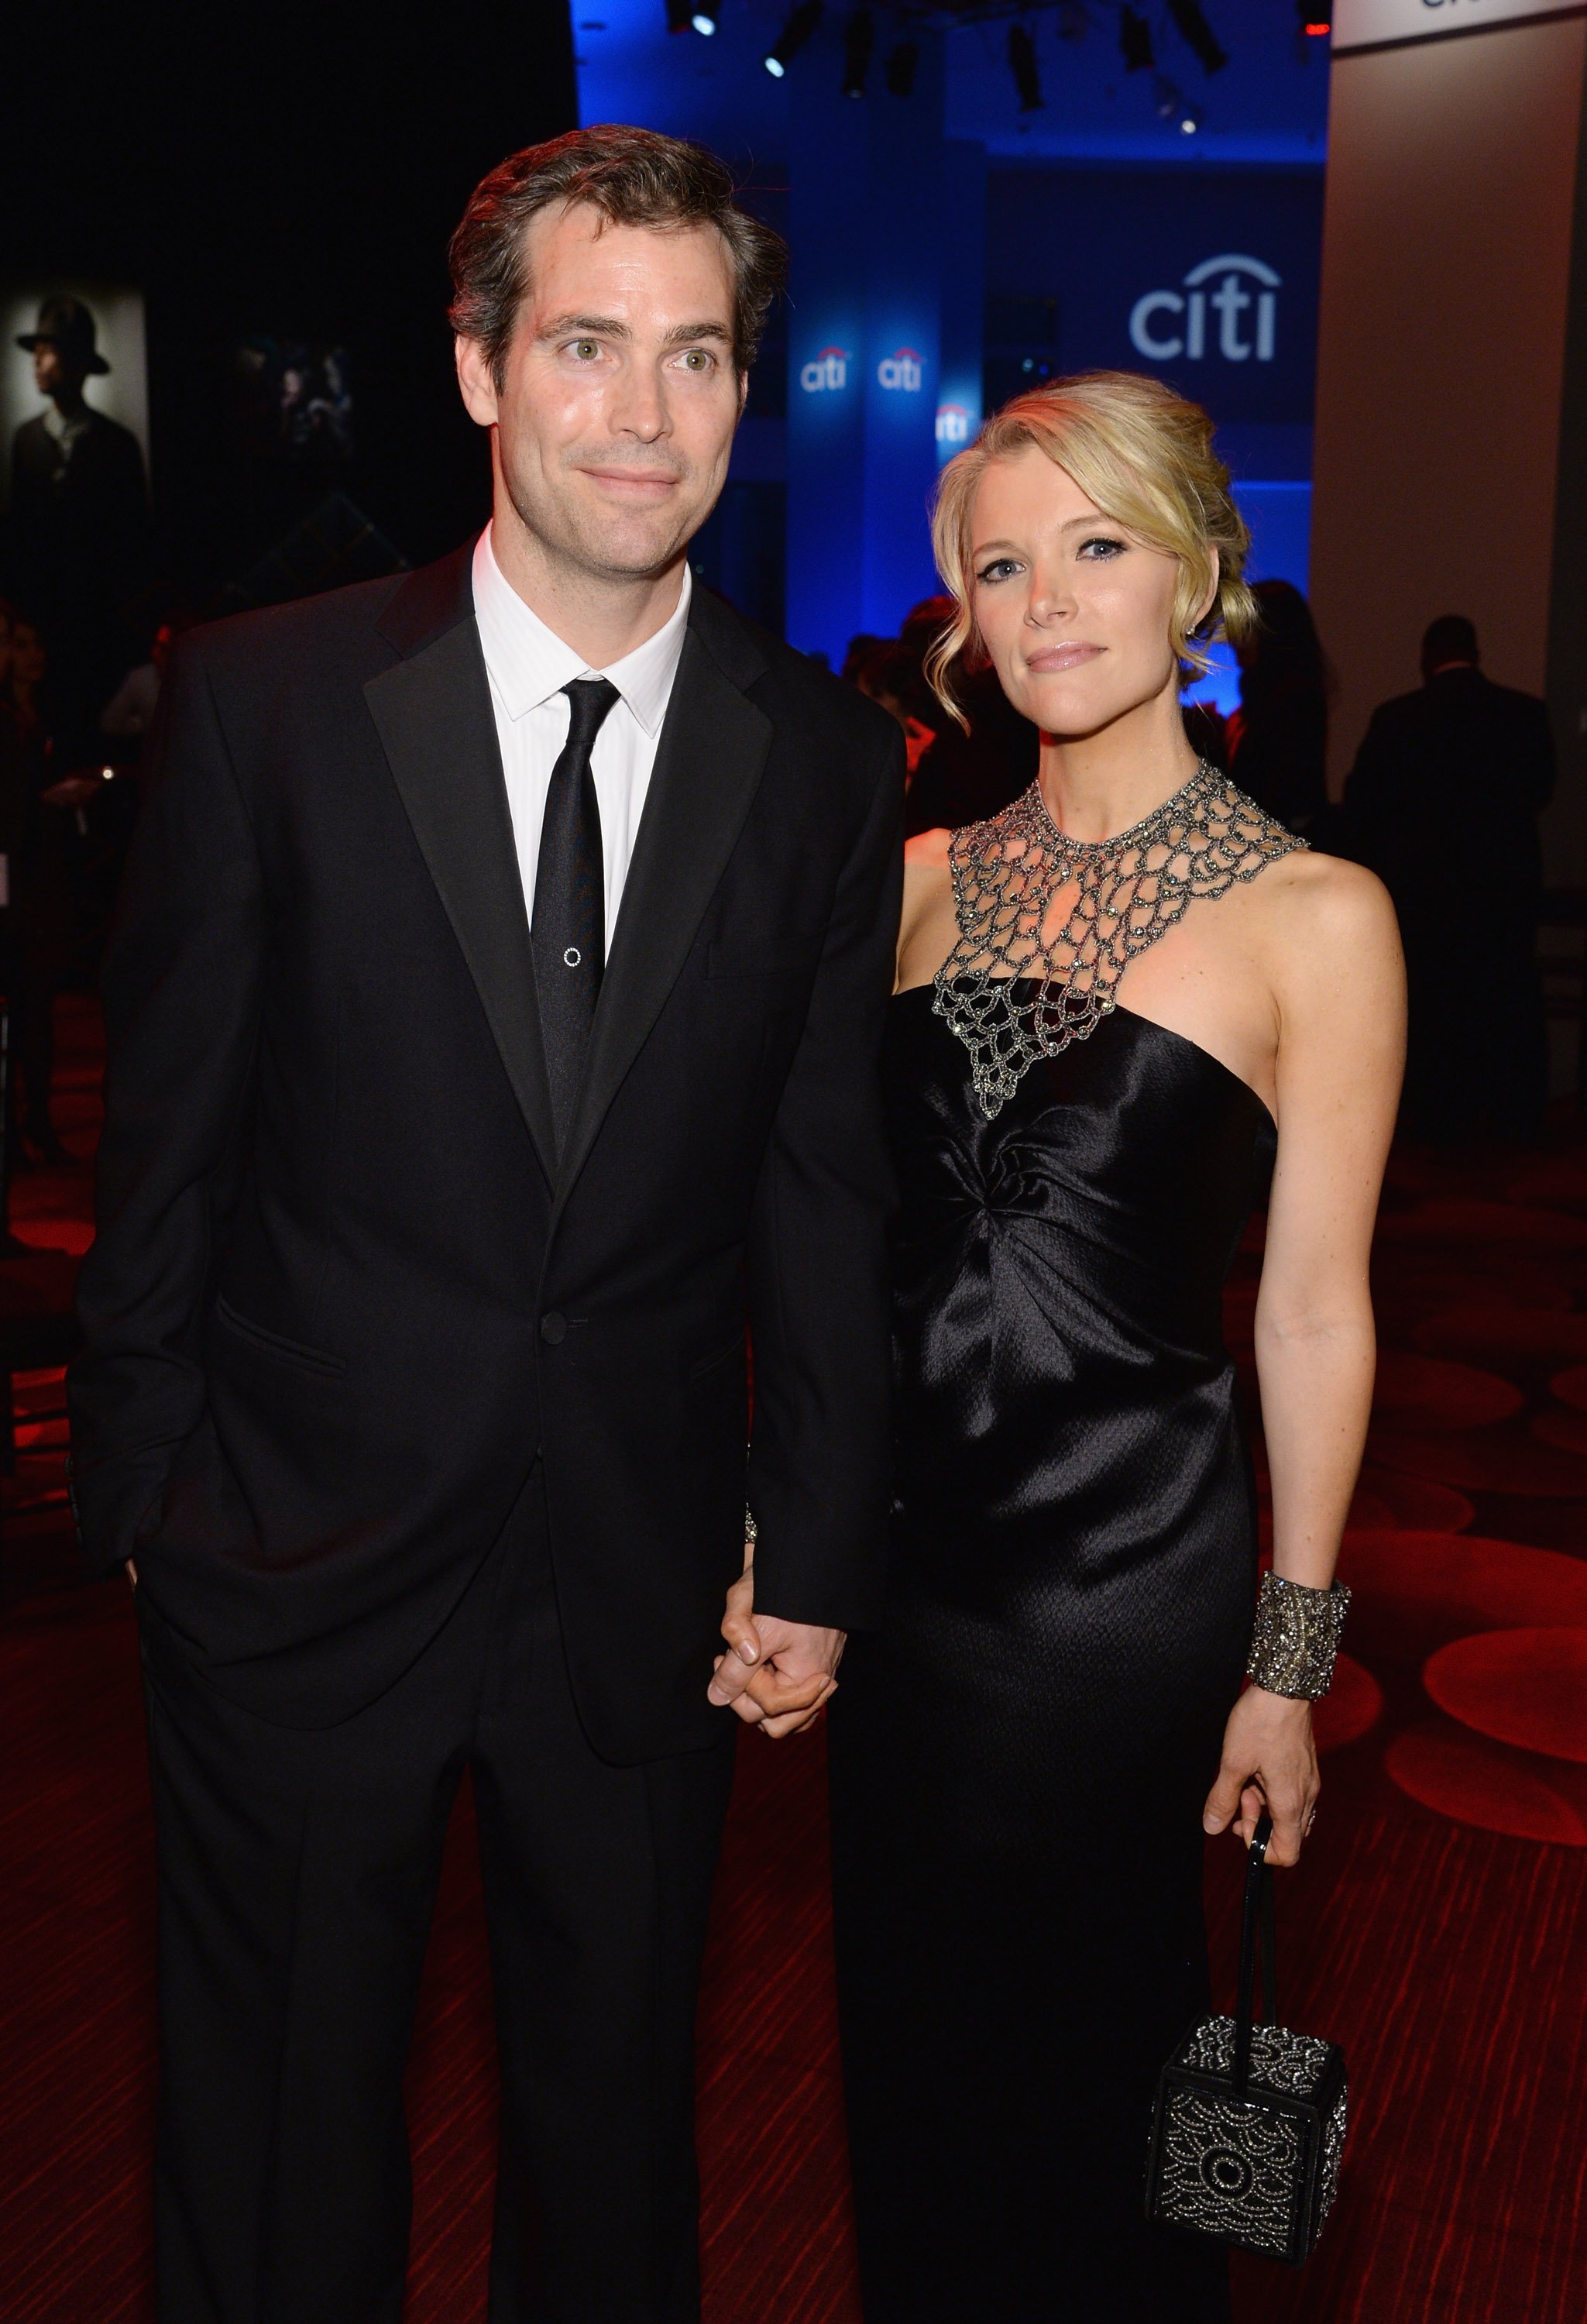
[633, 177]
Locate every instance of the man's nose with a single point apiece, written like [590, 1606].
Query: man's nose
[640, 408]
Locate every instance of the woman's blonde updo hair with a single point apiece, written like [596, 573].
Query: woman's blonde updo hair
[1145, 456]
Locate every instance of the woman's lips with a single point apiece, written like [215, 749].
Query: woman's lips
[1061, 658]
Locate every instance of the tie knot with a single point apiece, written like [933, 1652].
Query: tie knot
[589, 700]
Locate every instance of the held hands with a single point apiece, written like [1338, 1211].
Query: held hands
[777, 1675]
[1270, 1759]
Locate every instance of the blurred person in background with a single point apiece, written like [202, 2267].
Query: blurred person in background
[36, 837]
[77, 539]
[1277, 742]
[1443, 803]
[969, 771]
[890, 676]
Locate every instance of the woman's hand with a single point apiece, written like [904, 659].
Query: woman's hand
[1269, 1760]
[777, 1676]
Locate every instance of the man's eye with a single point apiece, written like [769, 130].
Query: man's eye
[586, 350]
[699, 359]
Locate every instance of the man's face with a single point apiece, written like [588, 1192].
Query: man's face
[51, 371]
[616, 410]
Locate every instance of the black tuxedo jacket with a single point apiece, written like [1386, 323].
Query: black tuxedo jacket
[345, 1290]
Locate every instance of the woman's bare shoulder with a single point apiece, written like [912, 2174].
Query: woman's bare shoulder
[1326, 918]
[928, 851]
[1339, 898]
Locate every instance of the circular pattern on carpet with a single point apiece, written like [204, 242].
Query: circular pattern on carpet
[1388, 1499]
[1512, 1461]
[1425, 1583]
[1525, 1687]
[1571, 1387]
[1564, 1429]
[1351, 1708]
[1426, 1392]
[1463, 1222]
[1471, 1780]
[1555, 1178]
[1504, 1334]
[1514, 1281]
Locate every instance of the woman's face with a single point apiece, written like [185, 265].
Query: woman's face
[1074, 612]
[27, 654]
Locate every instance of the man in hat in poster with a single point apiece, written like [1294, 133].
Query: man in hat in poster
[79, 517]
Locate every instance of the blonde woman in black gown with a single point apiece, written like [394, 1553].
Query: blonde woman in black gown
[1120, 1005]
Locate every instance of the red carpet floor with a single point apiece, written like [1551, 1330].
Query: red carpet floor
[1438, 1928]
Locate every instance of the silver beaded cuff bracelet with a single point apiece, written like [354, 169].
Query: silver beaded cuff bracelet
[1295, 1640]
[752, 1531]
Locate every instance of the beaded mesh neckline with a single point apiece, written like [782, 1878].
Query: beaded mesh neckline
[1131, 889]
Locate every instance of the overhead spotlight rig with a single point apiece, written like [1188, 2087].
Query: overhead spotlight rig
[1139, 31]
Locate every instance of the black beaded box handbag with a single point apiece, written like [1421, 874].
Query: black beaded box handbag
[1249, 2126]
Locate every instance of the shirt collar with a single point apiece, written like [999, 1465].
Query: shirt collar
[529, 662]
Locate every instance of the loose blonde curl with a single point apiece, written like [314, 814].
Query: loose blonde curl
[1145, 456]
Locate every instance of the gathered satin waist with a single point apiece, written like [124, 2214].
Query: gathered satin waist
[1057, 1279]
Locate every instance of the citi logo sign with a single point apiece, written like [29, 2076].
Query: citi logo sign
[952, 424]
[902, 369]
[1241, 294]
[827, 368]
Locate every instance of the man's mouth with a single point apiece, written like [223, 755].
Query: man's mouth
[640, 483]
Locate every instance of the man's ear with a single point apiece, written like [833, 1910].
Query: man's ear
[475, 381]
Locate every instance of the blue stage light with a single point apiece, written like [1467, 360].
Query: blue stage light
[792, 37]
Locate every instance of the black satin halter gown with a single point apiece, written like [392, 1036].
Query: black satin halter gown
[1020, 1758]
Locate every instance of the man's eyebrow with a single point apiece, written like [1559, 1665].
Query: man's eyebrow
[609, 327]
[606, 327]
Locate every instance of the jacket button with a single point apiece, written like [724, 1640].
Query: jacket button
[554, 1328]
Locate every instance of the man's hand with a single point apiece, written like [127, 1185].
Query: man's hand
[777, 1675]
[1269, 1760]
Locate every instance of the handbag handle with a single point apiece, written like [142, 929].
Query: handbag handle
[1259, 1908]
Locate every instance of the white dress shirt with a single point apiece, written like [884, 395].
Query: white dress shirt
[528, 665]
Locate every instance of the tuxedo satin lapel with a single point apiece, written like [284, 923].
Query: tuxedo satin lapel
[434, 716]
[713, 747]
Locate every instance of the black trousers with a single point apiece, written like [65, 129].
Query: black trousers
[298, 1875]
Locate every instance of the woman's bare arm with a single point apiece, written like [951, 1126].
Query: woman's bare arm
[1339, 988]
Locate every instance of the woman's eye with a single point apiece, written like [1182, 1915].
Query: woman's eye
[1101, 546]
[999, 569]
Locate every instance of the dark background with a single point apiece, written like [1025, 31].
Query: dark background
[294, 172]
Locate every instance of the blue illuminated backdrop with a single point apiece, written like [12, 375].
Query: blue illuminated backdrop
[953, 243]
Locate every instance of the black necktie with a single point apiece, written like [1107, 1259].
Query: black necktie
[569, 928]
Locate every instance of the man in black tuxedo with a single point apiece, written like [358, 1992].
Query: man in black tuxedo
[493, 1024]
[77, 533]
[1443, 803]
